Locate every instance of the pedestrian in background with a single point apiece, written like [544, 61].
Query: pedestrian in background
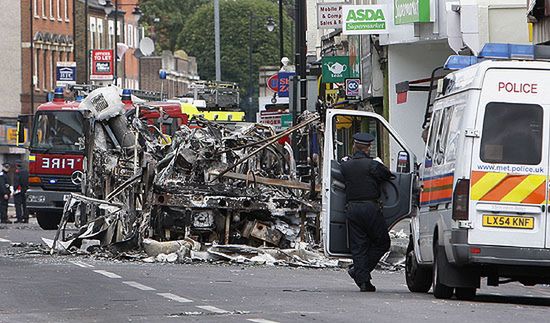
[5, 192]
[21, 185]
[368, 233]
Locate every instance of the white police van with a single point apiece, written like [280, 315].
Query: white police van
[483, 207]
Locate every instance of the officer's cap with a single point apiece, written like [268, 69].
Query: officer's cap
[363, 138]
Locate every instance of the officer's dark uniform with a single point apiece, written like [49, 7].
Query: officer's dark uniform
[4, 191]
[368, 233]
[21, 185]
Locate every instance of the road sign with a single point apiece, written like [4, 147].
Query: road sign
[284, 82]
[102, 64]
[279, 120]
[272, 83]
[65, 73]
[352, 87]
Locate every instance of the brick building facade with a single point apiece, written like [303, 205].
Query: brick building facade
[181, 71]
[98, 32]
[47, 38]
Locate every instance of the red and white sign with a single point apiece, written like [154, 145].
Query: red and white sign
[102, 64]
[273, 82]
[518, 87]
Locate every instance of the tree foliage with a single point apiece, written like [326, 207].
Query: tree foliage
[236, 17]
[166, 18]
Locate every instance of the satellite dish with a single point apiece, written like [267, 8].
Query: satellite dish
[146, 46]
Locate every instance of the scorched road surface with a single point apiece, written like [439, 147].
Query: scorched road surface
[41, 288]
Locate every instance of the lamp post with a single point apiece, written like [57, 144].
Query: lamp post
[270, 26]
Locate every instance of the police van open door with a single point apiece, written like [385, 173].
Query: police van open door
[397, 195]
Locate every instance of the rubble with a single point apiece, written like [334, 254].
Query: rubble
[214, 192]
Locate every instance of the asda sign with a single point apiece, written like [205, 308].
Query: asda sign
[411, 11]
[365, 19]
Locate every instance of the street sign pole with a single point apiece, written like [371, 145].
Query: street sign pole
[217, 39]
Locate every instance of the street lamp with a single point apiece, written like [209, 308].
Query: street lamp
[270, 24]
[137, 13]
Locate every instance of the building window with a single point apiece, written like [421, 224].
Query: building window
[100, 33]
[92, 32]
[52, 69]
[66, 9]
[58, 10]
[35, 7]
[44, 9]
[130, 39]
[51, 10]
[35, 71]
[44, 68]
[111, 31]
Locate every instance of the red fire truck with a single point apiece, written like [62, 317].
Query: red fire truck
[55, 159]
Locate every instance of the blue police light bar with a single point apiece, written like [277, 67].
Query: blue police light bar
[456, 62]
[58, 90]
[126, 92]
[495, 50]
[522, 51]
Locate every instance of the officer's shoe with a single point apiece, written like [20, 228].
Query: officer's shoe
[367, 287]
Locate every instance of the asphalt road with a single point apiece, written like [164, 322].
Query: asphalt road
[43, 288]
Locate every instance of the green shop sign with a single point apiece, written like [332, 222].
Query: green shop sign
[411, 11]
[335, 69]
[364, 19]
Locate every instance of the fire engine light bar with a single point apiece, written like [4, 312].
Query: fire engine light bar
[456, 62]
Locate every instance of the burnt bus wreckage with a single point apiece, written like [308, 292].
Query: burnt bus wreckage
[228, 183]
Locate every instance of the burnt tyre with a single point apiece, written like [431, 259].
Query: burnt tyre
[48, 220]
[419, 279]
[465, 293]
[440, 290]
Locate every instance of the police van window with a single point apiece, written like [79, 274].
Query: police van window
[442, 133]
[453, 133]
[512, 134]
[431, 139]
[345, 127]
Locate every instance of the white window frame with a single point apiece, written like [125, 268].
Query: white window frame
[36, 79]
[66, 9]
[51, 10]
[52, 69]
[35, 8]
[100, 33]
[44, 9]
[111, 32]
[92, 29]
[58, 10]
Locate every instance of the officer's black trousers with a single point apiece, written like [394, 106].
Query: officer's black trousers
[3, 210]
[369, 238]
[21, 207]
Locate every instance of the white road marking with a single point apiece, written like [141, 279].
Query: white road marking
[138, 285]
[81, 264]
[5, 240]
[107, 274]
[175, 297]
[213, 309]
[261, 321]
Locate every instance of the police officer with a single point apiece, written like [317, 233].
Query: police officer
[5, 192]
[368, 233]
[21, 185]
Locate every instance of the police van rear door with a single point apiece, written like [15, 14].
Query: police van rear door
[509, 176]
[396, 195]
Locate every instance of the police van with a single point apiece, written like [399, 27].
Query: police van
[484, 202]
[484, 177]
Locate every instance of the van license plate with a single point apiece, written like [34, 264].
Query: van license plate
[506, 221]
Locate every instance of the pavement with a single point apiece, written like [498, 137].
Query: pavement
[38, 287]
